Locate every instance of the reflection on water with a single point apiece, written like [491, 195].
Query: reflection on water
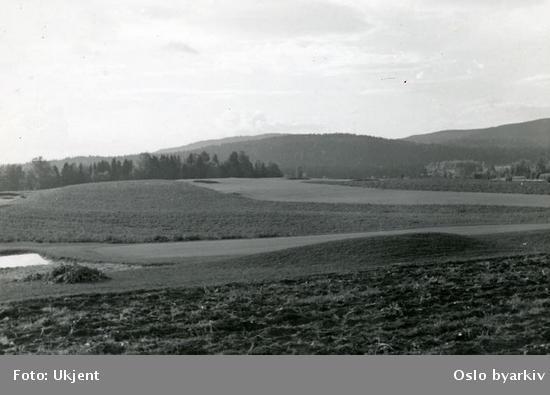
[22, 260]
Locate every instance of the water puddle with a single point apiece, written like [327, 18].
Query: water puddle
[21, 260]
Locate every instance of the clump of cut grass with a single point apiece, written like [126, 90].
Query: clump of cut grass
[69, 274]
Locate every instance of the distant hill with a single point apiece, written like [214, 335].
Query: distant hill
[358, 156]
[208, 143]
[354, 156]
[88, 160]
[532, 134]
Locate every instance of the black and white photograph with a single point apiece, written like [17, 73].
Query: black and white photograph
[275, 177]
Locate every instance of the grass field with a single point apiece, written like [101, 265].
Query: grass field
[447, 184]
[339, 256]
[156, 211]
[401, 294]
[333, 257]
[483, 306]
[334, 191]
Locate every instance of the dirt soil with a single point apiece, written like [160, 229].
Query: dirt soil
[487, 306]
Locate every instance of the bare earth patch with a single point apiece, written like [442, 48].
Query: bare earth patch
[489, 306]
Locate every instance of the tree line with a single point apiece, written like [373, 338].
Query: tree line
[42, 175]
[477, 169]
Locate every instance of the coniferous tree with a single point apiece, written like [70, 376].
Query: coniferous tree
[42, 175]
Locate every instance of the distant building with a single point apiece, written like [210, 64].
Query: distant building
[503, 168]
[503, 171]
[519, 178]
[456, 169]
[300, 173]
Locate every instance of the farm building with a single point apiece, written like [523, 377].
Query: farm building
[519, 178]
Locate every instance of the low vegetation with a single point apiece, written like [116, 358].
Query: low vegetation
[449, 184]
[69, 274]
[483, 306]
[156, 211]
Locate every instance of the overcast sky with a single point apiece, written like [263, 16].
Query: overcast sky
[126, 76]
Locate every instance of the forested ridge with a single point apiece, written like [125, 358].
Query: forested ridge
[41, 174]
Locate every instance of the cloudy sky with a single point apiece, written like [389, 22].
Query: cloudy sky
[126, 76]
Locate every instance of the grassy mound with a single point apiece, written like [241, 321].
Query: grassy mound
[159, 210]
[357, 253]
[69, 274]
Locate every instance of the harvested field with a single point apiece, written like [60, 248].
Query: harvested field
[492, 306]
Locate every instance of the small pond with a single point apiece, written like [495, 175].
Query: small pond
[20, 260]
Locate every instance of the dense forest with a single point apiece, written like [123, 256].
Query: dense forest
[355, 156]
[41, 174]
